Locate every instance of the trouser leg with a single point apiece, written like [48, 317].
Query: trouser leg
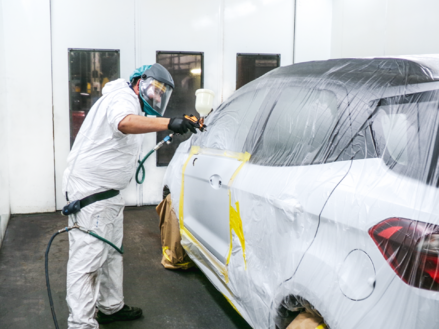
[83, 269]
[87, 256]
[110, 299]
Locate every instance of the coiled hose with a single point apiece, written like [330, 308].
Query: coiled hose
[49, 292]
[166, 140]
[141, 167]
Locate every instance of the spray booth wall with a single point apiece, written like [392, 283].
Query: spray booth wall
[4, 171]
[26, 134]
[35, 63]
[313, 30]
[36, 54]
[384, 27]
[218, 28]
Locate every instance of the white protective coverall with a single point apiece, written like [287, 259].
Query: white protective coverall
[102, 158]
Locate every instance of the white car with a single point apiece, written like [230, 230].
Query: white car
[316, 186]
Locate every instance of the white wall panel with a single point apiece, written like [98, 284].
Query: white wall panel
[192, 25]
[97, 24]
[28, 75]
[337, 29]
[4, 154]
[412, 27]
[257, 26]
[220, 29]
[364, 28]
[359, 28]
[313, 30]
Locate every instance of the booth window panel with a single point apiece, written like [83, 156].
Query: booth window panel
[251, 66]
[89, 71]
[187, 71]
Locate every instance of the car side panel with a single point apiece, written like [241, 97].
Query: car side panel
[279, 208]
[370, 193]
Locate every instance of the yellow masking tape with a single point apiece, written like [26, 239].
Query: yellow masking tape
[236, 226]
[221, 268]
[230, 302]
[169, 259]
[245, 158]
[235, 216]
[165, 254]
[221, 153]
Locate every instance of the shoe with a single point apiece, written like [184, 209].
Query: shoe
[127, 313]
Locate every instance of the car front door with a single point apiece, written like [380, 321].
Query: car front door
[215, 158]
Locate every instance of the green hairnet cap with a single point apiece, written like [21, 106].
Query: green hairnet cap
[139, 71]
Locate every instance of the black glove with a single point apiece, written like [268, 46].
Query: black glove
[182, 125]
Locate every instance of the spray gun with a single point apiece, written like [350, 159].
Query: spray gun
[168, 139]
[203, 105]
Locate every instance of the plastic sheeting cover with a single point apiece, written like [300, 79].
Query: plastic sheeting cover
[338, 202]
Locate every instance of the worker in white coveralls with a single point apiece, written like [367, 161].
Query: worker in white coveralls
[100, 164]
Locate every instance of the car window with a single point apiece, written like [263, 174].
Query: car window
[405, 130]
[300, 124]
[229, 125]
[394, 127]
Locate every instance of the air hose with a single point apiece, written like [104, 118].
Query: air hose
[141, 167]
[167, 140]
[75, 226]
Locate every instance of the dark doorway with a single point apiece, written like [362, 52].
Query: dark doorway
[187, 71]
[251, 66]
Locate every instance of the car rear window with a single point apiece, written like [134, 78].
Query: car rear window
[405, 131]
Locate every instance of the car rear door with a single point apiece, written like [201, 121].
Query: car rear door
[290, 176]
[285, 187]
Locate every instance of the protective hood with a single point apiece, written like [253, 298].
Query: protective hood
[114, 85]
[155, 88]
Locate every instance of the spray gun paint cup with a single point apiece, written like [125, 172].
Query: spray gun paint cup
[204, 101]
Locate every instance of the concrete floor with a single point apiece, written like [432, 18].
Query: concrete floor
[169, 299]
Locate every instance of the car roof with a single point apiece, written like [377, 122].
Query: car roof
[403, 70]
[372, 78]
[428, 62]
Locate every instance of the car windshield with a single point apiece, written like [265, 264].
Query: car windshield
[405, 132]
[232, 121]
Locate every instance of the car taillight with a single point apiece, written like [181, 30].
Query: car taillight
[412, 250]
